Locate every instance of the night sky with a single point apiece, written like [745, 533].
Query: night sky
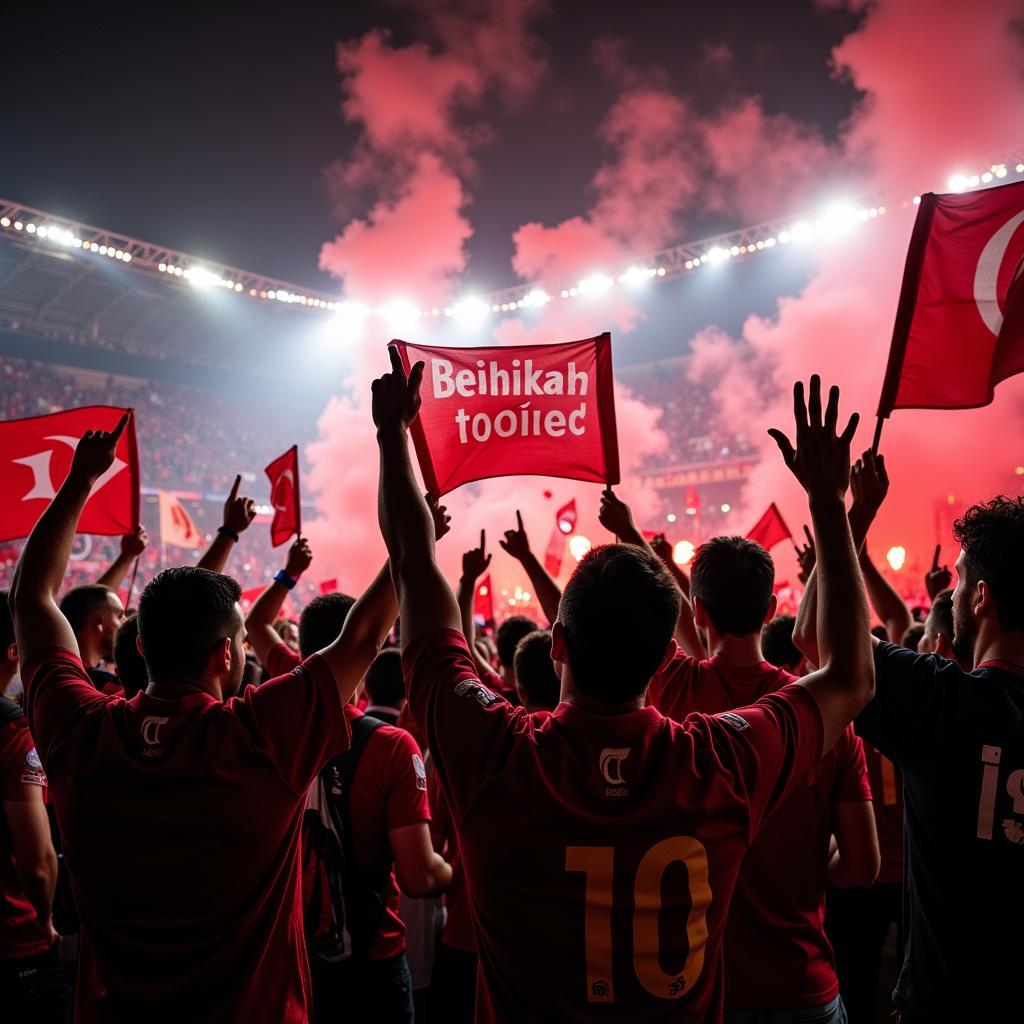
[208, 127]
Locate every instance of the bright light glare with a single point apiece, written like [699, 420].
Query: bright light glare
[350, 316]
[537, 297]
[726, 507]
[635, 276]
[400, 313]
[201, 277]
[471, 310]
[896, 556]
[957, 182]
[682, 553]
[579, 545]
[595, 284]
[565, 525]
[837, 220]
[717, 254]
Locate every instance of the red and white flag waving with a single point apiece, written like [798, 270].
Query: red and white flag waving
[483, 600]
[565, 523]
[770, 529]
[960, 322]
[176, 526]
[544, 410]
[36, 457]
[283, 473]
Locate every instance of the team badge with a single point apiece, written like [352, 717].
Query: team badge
[32, 769]
[474, 688]
[421, 771]
[738, 722]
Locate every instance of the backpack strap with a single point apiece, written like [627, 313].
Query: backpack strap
[10, 711]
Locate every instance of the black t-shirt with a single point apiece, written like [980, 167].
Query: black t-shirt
[958, 738]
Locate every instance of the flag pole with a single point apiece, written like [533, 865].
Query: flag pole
[878, 435]
[131, 586]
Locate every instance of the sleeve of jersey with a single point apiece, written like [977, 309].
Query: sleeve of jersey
[853, 784]
[20, 766]
[463, 721]
[408, 803]
[660, 689]
[57, 694]
[299, 719]
[770, 749]
[910, 692]
[281, 660]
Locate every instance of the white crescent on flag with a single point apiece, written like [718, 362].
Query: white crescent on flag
[290, 477]
[986, 277]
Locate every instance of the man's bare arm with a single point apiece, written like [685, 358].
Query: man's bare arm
[38, 622]
[239, 513]
[474, 564]
[546, 590]
[132, 546]
[888, 605]
[259, 623]
[35, 860]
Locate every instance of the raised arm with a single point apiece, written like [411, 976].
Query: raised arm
[132, 545]
[939, 577]
[474, 564]
[888, 605]
[259, 623]
[870, 484]
[617, 517]
[845, 680]
[517, 544]
[38, 622]
[425, 600]
[239, 513]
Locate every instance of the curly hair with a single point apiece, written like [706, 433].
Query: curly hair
[992, 537]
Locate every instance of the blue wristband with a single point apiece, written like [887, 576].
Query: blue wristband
[283, 578]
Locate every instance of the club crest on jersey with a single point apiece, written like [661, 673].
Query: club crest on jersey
[32, 769]
[610, 763]
[474, 688]
[738, 722]
[151, 726]
[421, 771]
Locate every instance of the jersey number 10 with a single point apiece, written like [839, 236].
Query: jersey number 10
[598, 863]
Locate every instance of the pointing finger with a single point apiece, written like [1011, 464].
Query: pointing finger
[234, 487]
[519, 520]
[116, 433]
[483, 540]
[416, 377]
[935, 560]
[396, 360]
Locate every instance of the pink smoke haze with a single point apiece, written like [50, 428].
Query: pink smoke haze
[939, 90]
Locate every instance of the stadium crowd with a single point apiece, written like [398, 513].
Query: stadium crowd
[666, 803]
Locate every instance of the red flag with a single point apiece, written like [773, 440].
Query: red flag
[960, 322]
[483, 600]
[545, 410]
[329, 586]
[248, 599]
[565, 523]
[770, 529]
[36, 458]
[283, 473]
[176, 526]
[565, 517]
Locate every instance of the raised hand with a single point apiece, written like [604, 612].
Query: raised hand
[439, 513]
[299, 558]
[820, 459]
[615, 515]
[661, 547]
[806, 556]
[869, 483]
[239, 512]
[96, 451]
[134, 543]
[939, 578]
[396, 398]
[516, 543]
[475, 561]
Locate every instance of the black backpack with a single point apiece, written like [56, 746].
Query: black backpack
[342, 907]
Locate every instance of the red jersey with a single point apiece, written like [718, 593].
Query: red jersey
[199, 802]
[601, 851]
[389, 791]
[20, 771]
[887, 797]
[776, 950]
[458, 925]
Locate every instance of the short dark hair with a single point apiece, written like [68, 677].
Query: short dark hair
[510, 632]
[183, 612]
[777, 642]
[619, 610]
[6, 622]
[80, 602]
[940, 615]
[131, 666]
[384, 681]
[912, 638]
[734, 579]
[992, 538]
[321, 621]
[535, 671]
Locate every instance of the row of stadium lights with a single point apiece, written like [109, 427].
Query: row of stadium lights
[472, 309]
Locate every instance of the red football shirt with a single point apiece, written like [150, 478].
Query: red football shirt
[199, 804]
[458, 925]
[887, 797]
[389, 791]
[776, 950]
[20, 931]
[601, 851]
